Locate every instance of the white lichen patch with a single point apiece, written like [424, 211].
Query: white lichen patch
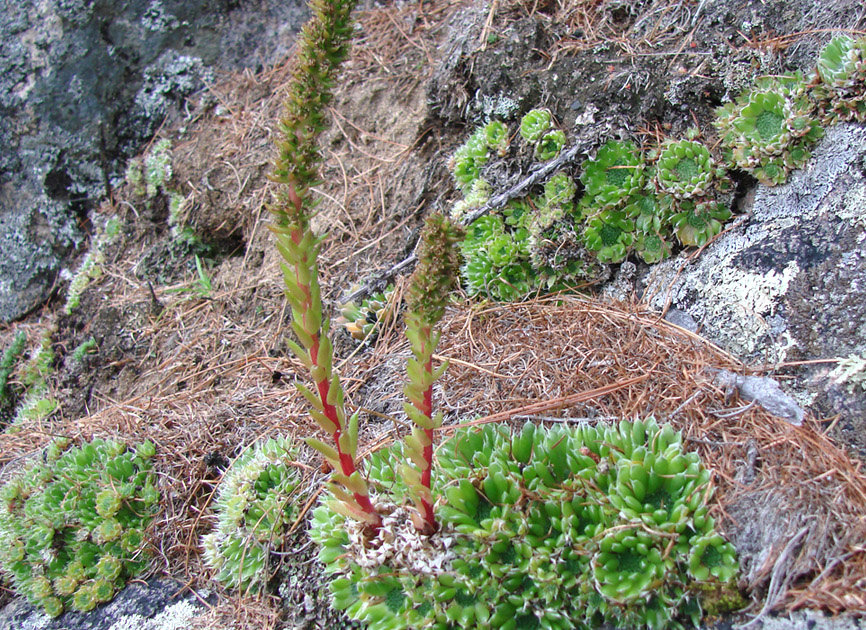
[736, 307]
[398, 545]
[740, 288]
[174, 617]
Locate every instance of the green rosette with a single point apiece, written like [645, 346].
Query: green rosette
[616, 173]
[766, 132]
[841, 92]
[72, 524]
[534, 124]
[255, 508]
[697, 223]
[550, 145]
[535, 539]
[610, 235]
[685, 169]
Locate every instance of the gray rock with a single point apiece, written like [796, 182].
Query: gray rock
[83, 83]
[764, 391]
[140, 606]
[789, 282]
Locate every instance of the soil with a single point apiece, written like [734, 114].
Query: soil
[205, 373]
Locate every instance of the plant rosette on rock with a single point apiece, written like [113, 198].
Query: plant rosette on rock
[767, 130]
[617, 172]
[609, 234]
[840, 89]
[685, 169]
[697, 223]
[254, 510]
[72, 524]
[554, 529]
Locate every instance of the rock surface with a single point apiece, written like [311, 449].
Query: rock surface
[789, 282]
[83, 83]
[140, 606]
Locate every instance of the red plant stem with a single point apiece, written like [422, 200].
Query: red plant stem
[426, 408]
[347, 464]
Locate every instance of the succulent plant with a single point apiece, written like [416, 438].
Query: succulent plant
[559, 258]
[474, 197]
[609, 234]
[841, 89]
[616, 173]
[517, 213]
[496, 137]
[72, 524]
[559, 191]
[697, 223]
[550, 145]
[255, 508]
[768, 129]
[534, 124]
[685, 169]
[651, 247]
[430, 288]
[496, 263]
[469, 158]
[650, 213]
[365, 319]
[554, 529]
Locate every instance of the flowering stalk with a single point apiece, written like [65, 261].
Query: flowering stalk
[323, 46]
[436, 274]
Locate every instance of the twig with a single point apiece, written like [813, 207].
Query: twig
[497, 201]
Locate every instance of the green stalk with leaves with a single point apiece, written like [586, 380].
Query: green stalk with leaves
[434, 278]
[322, 48]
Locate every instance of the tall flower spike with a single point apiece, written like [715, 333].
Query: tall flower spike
[323, 47]
[429, 290]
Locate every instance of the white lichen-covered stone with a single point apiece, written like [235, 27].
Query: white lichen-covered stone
[175, 617]
[739, 289]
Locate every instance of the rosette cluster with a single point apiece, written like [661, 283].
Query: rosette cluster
[631, 204]
[687, 180]
[254, 508]
[767, 131]
[536, 128]
[840, 88]
[554, 529]
[533, 243]
[613, 182]
[365, 319]
[72, 524]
